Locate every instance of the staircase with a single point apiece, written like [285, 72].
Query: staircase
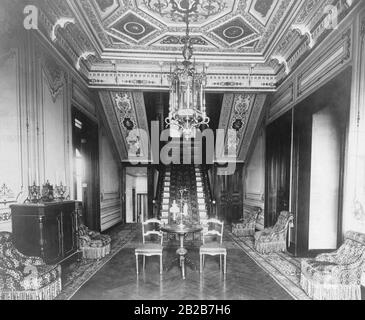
[189, 177]
[201, 196]
[165, 194]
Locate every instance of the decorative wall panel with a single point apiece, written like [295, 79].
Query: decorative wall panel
[53, 120]
[240, 113]
[354, 204]
[11, 179]
[110, 204]
[319, 68]
[254, 195]
[126, 113]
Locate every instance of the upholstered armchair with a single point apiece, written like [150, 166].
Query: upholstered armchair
[93, 244]
[247, 226]
[274, 239]
[26, 278]
[336, 276]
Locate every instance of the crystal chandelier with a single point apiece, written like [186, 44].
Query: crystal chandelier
[187, 92]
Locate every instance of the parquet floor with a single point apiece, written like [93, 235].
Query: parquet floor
[117, 280]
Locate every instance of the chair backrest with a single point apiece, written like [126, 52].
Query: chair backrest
[352, 250]
[147, 232]
[283, 221]
[218, 227]
[5, 242]
[252, 214]
[83, 230]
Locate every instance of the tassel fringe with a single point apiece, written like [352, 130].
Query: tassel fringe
[318, 291]
[95, 253]
[243, 232]
[269, 247]
[49, 292]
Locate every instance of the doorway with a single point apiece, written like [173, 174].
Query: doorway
[136, 194]
[229, 195]
[319, 135]
[86, 167]
[278, 162]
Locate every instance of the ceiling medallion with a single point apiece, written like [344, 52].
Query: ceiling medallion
[134, 28]
[233, 32]
[176, 10]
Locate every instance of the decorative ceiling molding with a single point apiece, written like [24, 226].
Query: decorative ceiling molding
[173, 12]
[230, 42]
[84, 56]
[312, 21]
[160, 81]
[282, 61]
[60, 23]
[304, 31]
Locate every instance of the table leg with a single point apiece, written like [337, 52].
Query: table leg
[182, 253]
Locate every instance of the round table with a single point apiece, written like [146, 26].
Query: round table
[182, 231]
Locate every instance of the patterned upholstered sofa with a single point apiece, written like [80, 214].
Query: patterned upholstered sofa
[247, 226]
[274, 239]
[336, 276]
[93, 244]
[26, 278]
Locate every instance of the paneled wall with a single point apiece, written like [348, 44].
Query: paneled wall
[110, 186]
[342, 49]
[254, 194]
[354, 198]
[11, 134]
[38, 88]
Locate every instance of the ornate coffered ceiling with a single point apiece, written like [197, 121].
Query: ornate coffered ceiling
[247, 44]
[221, 27]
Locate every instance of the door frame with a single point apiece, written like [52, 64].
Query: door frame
[92, 134]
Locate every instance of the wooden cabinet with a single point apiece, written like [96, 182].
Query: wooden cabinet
[45, 230]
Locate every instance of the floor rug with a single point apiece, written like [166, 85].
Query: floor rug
[78, 273]
[282, 267]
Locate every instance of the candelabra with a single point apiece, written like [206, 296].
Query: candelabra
[34, 194]
[60, 192]
[48, 193]
[182, 211]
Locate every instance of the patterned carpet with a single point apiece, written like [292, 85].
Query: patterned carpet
[78, 273]
[284, 269]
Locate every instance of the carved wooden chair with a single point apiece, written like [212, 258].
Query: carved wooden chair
[337, 275]
[150, 248]
[213, 247]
